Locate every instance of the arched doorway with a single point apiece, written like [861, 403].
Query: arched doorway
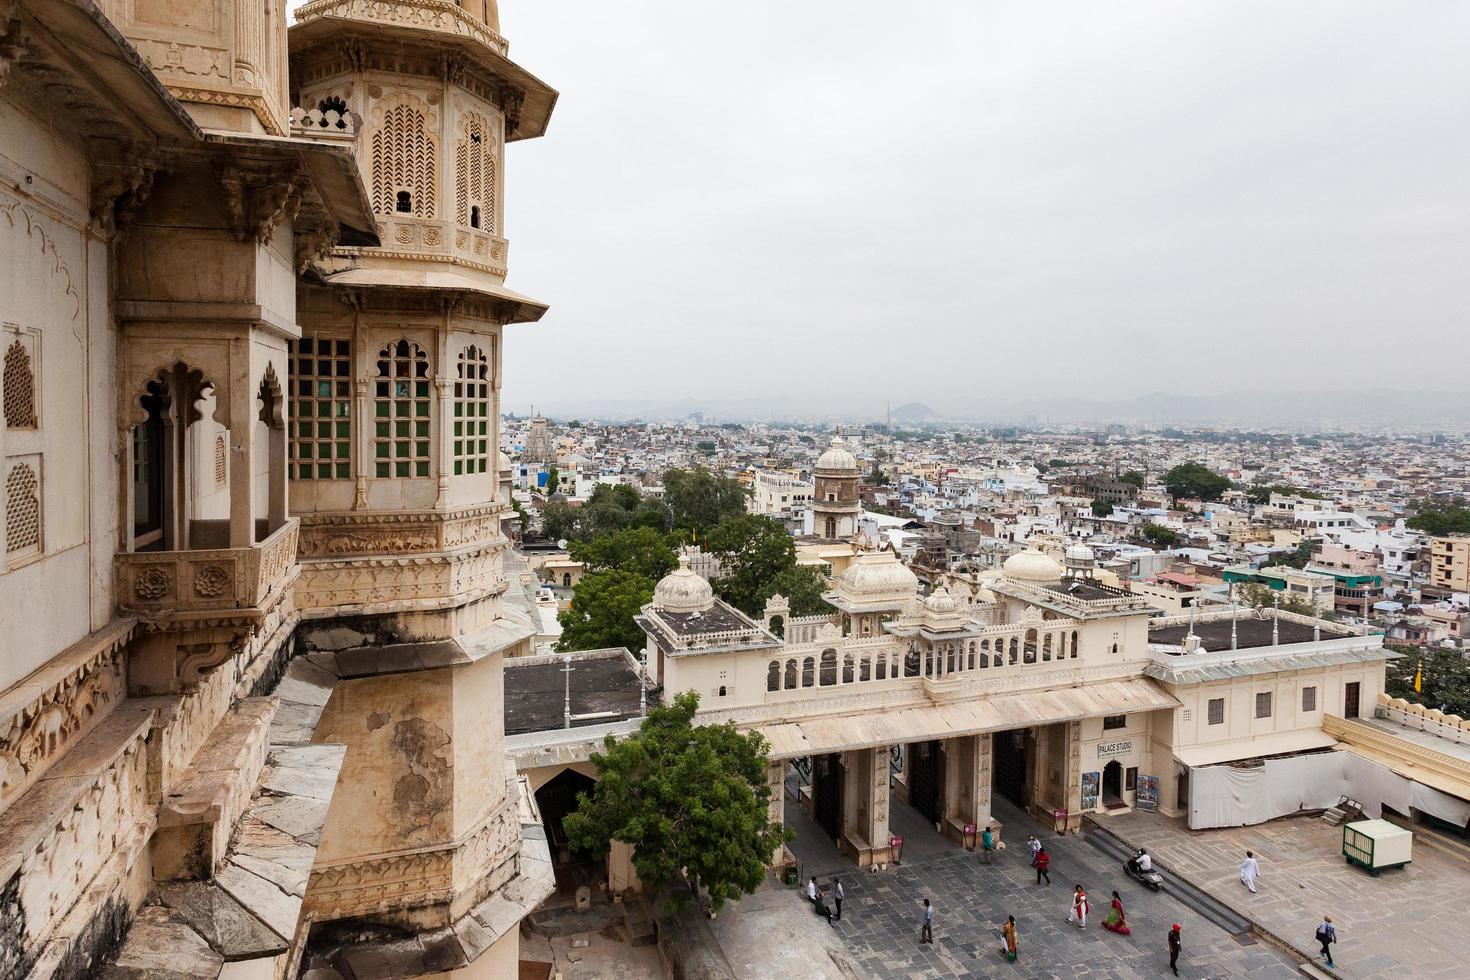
[1112, 783]
[1010, 766]
[556, 799]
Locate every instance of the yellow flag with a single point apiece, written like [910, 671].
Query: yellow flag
[1419, 677]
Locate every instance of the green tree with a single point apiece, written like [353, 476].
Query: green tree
[1260, 493]
[698, 500]
[1299, 558]
[558, 520]
[1195, 480]
[706, 446]
[1451, 520]
[1101, 508]
[1262, 596]
[753, 550]
[553, 480]
[691, 800]
[642, 550]
[1160, 535]
[1134, 477]
[802, 585]
[1444, 683]
[602, 611]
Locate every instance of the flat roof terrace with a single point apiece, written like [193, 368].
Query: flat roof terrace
[601, 681]
[1250, 633]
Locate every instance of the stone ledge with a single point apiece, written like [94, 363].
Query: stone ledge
[196, 819]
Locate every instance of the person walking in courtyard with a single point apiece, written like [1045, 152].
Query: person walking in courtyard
[1174, 946]
[838, 894]
[926, 934]
[987, 844]
[1078, 914]
[1327, 935]
[1034, 845]
[1115, 922]
[1043, 865]
[1008, 938]
[1250, 870]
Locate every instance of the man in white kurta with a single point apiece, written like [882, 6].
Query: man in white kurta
[1250, 870]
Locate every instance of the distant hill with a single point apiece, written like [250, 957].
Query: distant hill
[914, 412]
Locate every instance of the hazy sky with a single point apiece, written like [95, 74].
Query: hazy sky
[956, 200]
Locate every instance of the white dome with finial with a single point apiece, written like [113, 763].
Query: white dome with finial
[877, 575]
[837, 457]
[683, 590]
[941, 602]
[1032, 565]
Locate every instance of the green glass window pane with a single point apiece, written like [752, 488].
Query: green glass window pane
[381, 388]
[459, 428]
[400, 429]
[458, 409]
[482, 447]
[344, 429]
[324, 409]
[421, 408]
[421, 389]
[342, 411]
[342, 471]
[324, 471]
[324, 429]
[421, 429]
[400, 469]
[421, 449]
[381, 450]
[306, 449]
[383, 410]
[421, 469]
[382, 429]
[400, 449]
[382, 469]
[324, 389]
[400, 409]
[458, 467]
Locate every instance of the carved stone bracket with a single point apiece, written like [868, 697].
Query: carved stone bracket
[261, 196]
[12, 45]
[316, 232]
[121, 183]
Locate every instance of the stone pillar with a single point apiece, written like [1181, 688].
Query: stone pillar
[241, 409]
[776, 804]
[1072, 781]
[967, 784]
[982, 784]
[865, 806]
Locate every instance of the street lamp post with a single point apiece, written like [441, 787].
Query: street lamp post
[566, 711]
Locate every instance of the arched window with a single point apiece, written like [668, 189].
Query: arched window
[790, 680]
[401, 425]
[321, 408]
[19, 383]
[865, 668]
[472, 412]
[474, 173]
[880, 670]
[722, 690]
[829, 668]
[808, 672]
[1074, 643]
[773, 675]
[1046, 647]
[22, 510]
[219, 461]
[404, 164]
[847, 668]
[831, 528]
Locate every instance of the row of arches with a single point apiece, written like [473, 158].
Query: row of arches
[829, 669]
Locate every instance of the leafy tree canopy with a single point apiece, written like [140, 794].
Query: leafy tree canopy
[689, 799]
[1195, 480]
[1259, 493]
[753, 550]
[645, 551]
[612, 507]
[1451, 520]
[1101, 508]
[1445, 682]
[1160, 535]
[1262, 596]
[602, 610]
[802, 585]
[698, 500]
[1134, 477]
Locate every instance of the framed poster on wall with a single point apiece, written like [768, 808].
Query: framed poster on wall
[1091, 783]
[1148, 793]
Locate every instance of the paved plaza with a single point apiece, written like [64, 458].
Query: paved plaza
[880, 925]
[1402, 923]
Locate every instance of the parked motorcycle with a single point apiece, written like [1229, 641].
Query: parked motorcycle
[1150, 878]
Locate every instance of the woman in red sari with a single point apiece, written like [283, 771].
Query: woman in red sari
[1115, 921]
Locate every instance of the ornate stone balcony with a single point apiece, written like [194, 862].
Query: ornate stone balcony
[439, 240]
[433, 15]
[177, 589]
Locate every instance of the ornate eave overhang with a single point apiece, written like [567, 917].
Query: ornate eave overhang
[355, 30]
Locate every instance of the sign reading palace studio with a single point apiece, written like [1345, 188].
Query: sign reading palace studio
[1106, 750]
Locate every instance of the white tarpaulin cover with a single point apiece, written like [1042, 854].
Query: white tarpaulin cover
[1223, 796]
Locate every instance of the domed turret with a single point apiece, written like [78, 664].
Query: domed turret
[683, 590]
[1032, 565]
[877, 575]
[1080, 560]
[941, 602]
[837, 459]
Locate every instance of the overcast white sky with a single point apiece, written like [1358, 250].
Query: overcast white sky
[990, 198]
